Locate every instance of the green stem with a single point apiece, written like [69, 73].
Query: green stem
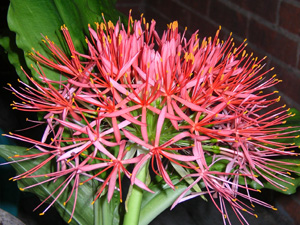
[132, 215]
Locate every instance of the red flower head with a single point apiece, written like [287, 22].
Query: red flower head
[181, 105]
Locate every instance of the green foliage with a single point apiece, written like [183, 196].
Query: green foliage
[164, 196]
[294, 123]
[85, 195]
[31, 19]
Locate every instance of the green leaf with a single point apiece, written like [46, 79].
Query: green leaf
[183, 173]
[164, 196]
[30, 19]
[84, 209]
[294, 123]
[290, 184]
[15, 55]
[108, 213]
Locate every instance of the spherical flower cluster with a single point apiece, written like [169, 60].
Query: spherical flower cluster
[166, 103]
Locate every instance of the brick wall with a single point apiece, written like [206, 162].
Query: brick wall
[272, 29]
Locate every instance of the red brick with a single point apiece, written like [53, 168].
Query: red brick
[198, 6]
[161, 22]
[290, 17]
[257, 53]
[290, 82]
[291, 207]
[135, 5]
[136, 12]
[204, 27]
[170, 9]
[264, 8]
[228, 18]
[273, 42]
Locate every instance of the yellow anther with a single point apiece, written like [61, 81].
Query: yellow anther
[244, 52]
[110, 25]
[41, 214]
[278, 99]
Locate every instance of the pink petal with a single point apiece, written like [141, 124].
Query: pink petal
[176, 138]
[191, 105]
[120, 125]
[112, 183]
[138, 166]
[72, 126]
[182, 114]
[122, 111]
[144, 128]
[99, 146]
[184, 158]
[135, 139]
[142, 185]
[159, 125]
[92, 167]
[126, 66]
[74, 151]
[116, 129]
[185, 191]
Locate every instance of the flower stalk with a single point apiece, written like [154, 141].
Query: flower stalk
[134, 202]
